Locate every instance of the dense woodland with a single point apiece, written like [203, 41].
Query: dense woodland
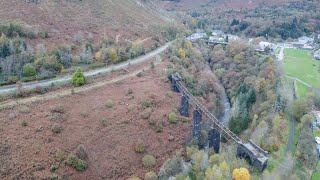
[20, 61]
[281, 22]
[260, 99]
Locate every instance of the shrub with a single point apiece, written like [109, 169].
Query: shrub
[140, 74]
[44, 34]
[81, 151]
[131, 107]
[31, 35]
[86, 56]
[24, 109]
[24, 123]
[109, 103]
[112, 53]
[169, 94]
[151, 176]
[148, 161]
[38, 166]
[136, 49]
[56, 128]
[152, 65]
[148, 104]
[60, 155]
[54, 167]
[130, 91]
[56, 117]
[134, 178]
[104, 122]
[172, 118]
[59, 108]
[13, 79]
[29, 70]
[146, 115]
[140, 146]
[78, 78]
[171, 167]
[182, 53]
[157, 127]
[76, 163]
[84, 114]
[40, 90]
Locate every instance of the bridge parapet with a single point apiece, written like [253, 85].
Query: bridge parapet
[257, 156]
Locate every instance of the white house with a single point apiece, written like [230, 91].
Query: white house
[217, 33]
[263, 45]
[197, 36]
[305, 40]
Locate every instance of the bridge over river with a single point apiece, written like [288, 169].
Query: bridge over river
[258, 157]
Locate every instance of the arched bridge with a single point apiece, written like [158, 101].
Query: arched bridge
[258, 157]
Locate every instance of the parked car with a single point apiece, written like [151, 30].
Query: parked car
[317, 140]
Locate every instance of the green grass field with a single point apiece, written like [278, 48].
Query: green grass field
[316, 174]
[300, 64]
[302, 89]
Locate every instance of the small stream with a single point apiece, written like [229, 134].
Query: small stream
[227, 109]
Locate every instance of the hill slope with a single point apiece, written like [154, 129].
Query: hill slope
[235, 4]
[64, 18]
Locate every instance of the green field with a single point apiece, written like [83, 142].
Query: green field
[300, 64]
[316, 174]
[302, 89]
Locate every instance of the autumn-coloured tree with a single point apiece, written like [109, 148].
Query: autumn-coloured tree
[112, 53]
[241, 174]
[182, 53]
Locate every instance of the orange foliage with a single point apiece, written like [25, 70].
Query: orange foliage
[241, 174]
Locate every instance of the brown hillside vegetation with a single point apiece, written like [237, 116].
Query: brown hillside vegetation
[225, 4]
[36, 140]
[65, 18]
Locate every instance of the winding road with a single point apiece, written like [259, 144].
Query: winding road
[67, 78]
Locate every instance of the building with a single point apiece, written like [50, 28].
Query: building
[231, 37]
[217, 33]
[264, 44]
[305, 40]
[197, 36]
[298, 45]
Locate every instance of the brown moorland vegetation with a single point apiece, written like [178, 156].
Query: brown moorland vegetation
[95, 18]
[92, 138]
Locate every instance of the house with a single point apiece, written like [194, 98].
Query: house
[197, 36]
[217, 33]
[231, 37]
[263, 45]
[298, 45]
[305, 40]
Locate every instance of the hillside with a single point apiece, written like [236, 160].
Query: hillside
[63, 19]
[225, 4]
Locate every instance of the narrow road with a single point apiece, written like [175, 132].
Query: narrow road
[281, 54]
[67, 78]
